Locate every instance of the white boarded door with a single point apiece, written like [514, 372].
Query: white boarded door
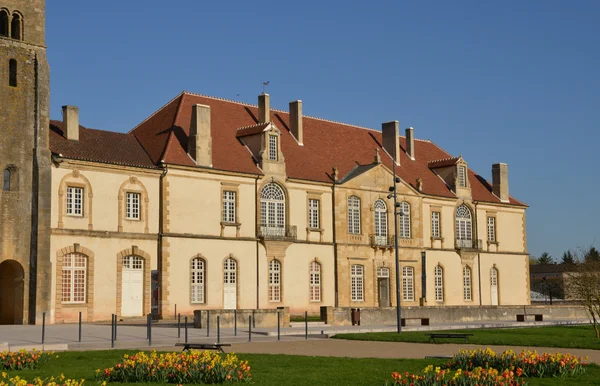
[494, 286]
[229, 284]
[133, 286]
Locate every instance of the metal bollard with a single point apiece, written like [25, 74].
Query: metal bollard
[43, 327]
[218, 329]
[178, 326]
[149, 330]
[235, 322]
[305, 324]
[175, 314]
[278, 325]
[115, 326]
[80, 326]
[112, 331]
[249, 328]
[208, 323]
[186, 332]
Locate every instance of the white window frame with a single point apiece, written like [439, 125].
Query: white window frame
[133, 205]
[75, 201]
[273, 147]
[467, 284]
[357, 283]
[197, 280]
[462, 176]
[405, 220]
[229, 199]
[354, 215]
[272, 209]
[230, 271]
[275, 281]
[438, 277]
[380, 219]
[435, 225]
[313, 213]
[491, 229]
[464, 227]
[74, 278]
[315, 281]
[408, 284]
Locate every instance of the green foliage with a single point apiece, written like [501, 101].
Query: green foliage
[545, 259]
[592, 255]
[568, 257]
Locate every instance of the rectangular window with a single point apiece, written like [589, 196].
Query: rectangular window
[405, 220]
[133, 206]
[435, 225]
[74, 278]
[439, 284]
[228, 206]
[74, 201]
[313, 213]
[315, 282]
[356, 276]
[491, 229]
[467, 283]
[408, 284]
[274, 281]
[197, 280]
[462, 176]
[273, 147]
[354, 215]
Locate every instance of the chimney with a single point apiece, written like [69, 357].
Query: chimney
[410, 143]
[71, 122]
[500, 181]
[200, 140]
[264, 108]
[391, 139]
[296, 120]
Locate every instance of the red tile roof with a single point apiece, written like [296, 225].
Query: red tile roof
[250, 130]
[99, 146]
[443, 162]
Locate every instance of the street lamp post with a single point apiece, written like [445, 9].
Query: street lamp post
[396, 214]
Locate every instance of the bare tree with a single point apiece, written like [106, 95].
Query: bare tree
[583, 284]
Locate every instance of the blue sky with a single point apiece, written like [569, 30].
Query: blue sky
[512, 81]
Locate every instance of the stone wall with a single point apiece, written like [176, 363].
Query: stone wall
[261, 318]
[341, 316]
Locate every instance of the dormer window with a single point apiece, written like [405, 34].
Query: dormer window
[462, 175]
[273, 147]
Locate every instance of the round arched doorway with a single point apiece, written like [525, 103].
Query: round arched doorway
[11, 292]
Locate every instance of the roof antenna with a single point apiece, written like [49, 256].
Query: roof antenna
[265, 84]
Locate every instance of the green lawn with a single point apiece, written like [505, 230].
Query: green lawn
[300, 318]
[554, 336]
[284, 369]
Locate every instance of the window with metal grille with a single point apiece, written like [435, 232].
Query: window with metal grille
[12, 73]
[462, 176]
[274, 281]
[435, 225]
[197, 280]
[464, 234]
[438, 276]
[408, 284]
[491, 229]
[315, 282]
[273, 147]
[313, 214]
[354, 215]
[74, 201]
[405, 220]
[380, 210]
[228, 206]
[356, 283]
[132, 211]
[229, 271]
[74, 276]
[466, 283]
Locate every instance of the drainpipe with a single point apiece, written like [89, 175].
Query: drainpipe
[160, 233]
[478, 255]
[257, 243]
[335, 245]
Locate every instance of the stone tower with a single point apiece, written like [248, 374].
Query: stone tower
[25, 179]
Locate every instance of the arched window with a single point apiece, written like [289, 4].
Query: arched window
[408, 284]
[467, 283]
[405, 220]
[464, 233]
[12, 73]
[6, 180]
[272, 210]
[380, 210]
[315, 282]
[229, 284]
[3, 22]
[494, 285]
[356, 283]
[438, 277]
[16, 27]
[274, 281]
[74, 275]
[197, 280]
[354, 215]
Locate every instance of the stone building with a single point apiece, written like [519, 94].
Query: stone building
[215, 204]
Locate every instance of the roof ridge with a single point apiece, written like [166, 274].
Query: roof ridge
[252, 126]
[93, 128]
[443, 159]
[156, 112]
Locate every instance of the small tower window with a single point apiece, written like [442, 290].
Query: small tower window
[3, 23]
[9, 179]
[6, 182]
[15, 27]
[273, 147]
[12, 73]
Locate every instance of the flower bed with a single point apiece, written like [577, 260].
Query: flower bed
[23, 360]
[476, 377]
[5, 380]
[181, 367]
[526, 363]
